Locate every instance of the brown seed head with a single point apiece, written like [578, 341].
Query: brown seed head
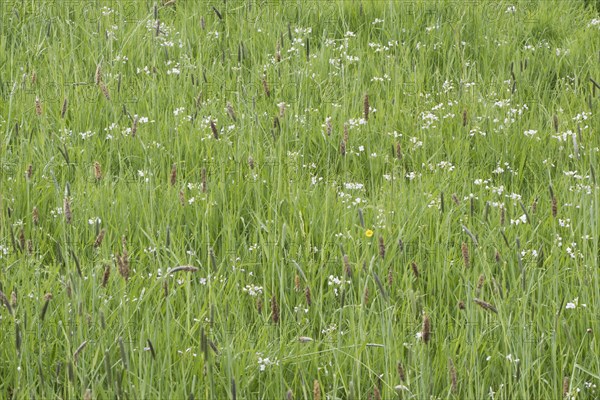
[230, 112]
[465, 254]
[99, 238]
[415, 269]
[274, 310]
[134, 126]
[343, 148]
[376, 394]
[485, 305]
[106, 275]
[328, 126]
[213, 128]
[346, 135]
[426, 329]
[455, 199]
[35, 216]
[480, 283]
[22, 239]
[381, 247]
[401, 373]
[67, 210]
[98, 76]
[566, 384]
[97, 171]
[123, 264]
[316, 390]
[347, 266]
[64, 108]
[104, 90]
[281, 110]
[307, 296]
[453, 380]
[173, 178]
[366, 107]
[278, 53]
[38, 106]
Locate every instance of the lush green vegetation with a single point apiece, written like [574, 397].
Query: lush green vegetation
[376, 199]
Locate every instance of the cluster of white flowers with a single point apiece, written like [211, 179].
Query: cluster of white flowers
[263, 363]
[253, 290]
[521, 220]
[337, 282]
[353, 186]
[329, 330]
[574, 304]
[3, 250]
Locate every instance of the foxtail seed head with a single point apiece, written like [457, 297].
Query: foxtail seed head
[307, 296]
[316, 390]
[381, 247]
[38, 107]
[274, 310]
[67, 210]
[173, 178]
[465, 254]
[97, 171]
[426, 329]
[98, 76]
[64, 108]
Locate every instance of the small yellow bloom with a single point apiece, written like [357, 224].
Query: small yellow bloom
[368, 233]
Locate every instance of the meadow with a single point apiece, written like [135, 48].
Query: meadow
[290, 199]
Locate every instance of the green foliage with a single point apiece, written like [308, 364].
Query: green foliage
[468, 197]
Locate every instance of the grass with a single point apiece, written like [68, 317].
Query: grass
[450, 252]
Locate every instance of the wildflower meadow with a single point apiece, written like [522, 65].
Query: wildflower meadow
[299, 199]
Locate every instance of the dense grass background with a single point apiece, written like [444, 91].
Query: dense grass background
[479, 113]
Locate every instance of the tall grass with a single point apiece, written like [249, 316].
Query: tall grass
[299, 199]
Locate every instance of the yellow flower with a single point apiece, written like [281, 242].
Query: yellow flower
[368, 233]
